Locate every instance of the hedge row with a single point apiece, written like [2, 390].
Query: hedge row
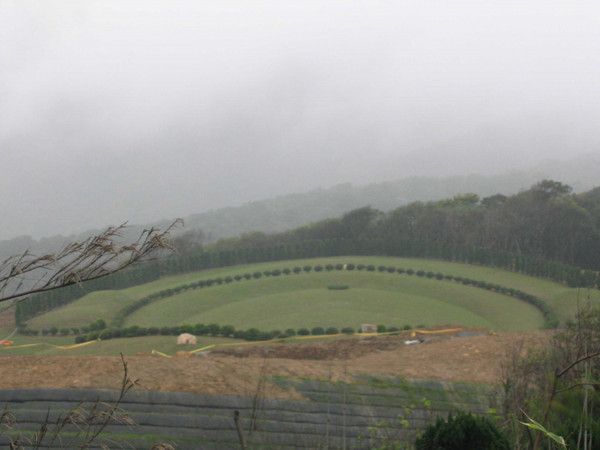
[251, 334]
[549, 316]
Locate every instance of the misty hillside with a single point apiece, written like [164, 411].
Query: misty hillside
[290, 211]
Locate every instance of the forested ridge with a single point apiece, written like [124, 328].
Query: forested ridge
[546, 231]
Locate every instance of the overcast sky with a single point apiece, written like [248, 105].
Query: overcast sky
[142, 110]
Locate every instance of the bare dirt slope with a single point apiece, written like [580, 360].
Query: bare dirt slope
[444, 358]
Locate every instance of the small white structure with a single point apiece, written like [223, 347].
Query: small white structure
[368, 328]
[186, 338]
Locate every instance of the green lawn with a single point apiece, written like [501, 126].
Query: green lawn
[303, 301]
[112, 347]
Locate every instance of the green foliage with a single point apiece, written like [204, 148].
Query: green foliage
[331, 330]
[227, 330]
[317, 331]
[464, 431]
[303, 332]
[213, 329]
[252, 334]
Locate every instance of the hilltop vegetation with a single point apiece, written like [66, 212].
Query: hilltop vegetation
[546, 222]
[545, 231]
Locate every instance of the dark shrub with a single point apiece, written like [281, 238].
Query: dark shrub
[213, 329]
[227, 330]
[391, 269]
[339, 267]
[464, 431]
[239, 334]
[317, 331]
[348, 330]
[64, 331]
[297, 269]
[79, 339]
[420, 273]
[267, 273]
[329, 267]
[257, 274]
[247, 276]
[319, 268]
[290, 332]
[381, 268]
[410, 272]
[407, 327]
[252, 334]
[53, 331]
[141, 331]
[393, 329]
[361, 267]
[276, 273]
[350, 266]
[165, 331]
[400, 270]
[307, 268]
[381, 328]
[430, 274]
[186, 328]
[91, 336]
[153, 331]
[331, 330]
[199, 329]
[237, 277]
[303, 332]
[371, 268]
[439, 276]
[105, 335]
[265, 336]
[286, 271]
[228, 279]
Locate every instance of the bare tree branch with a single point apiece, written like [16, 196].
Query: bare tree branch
[77, 262]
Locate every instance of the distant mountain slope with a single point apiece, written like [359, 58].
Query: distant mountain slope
[293, 210]
[290, 211]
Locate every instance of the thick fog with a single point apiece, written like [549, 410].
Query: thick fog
[142, 110]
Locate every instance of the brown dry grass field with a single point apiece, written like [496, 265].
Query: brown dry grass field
[235, 370]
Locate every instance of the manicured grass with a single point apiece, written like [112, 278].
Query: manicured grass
[303, 301]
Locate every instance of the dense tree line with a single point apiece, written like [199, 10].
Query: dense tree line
[545, 222]
[545, 231]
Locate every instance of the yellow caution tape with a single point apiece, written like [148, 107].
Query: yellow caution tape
[450, 330]
[61, 347]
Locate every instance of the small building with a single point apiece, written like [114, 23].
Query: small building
[186, 338]
[368, 328]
